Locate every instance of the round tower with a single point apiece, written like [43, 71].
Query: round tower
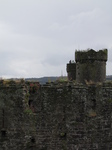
[91, 65]
[71, 70]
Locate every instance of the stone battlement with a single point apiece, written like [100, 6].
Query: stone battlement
[83, 56]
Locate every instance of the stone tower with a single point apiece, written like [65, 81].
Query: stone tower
[71, 70]
[91, 65]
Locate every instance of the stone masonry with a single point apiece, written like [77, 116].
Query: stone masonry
[59, 116]
[90, 66]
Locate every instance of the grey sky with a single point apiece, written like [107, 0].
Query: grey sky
[38, 37]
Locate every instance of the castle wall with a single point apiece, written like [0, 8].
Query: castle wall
[79, 117]
[59, 116]
[11, 116]
[17, 124]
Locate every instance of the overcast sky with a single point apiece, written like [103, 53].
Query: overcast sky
[38, 37]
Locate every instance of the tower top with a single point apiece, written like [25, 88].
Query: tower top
[85, 55]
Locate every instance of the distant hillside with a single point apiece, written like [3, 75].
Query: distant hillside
[109, 77]
[43, 80]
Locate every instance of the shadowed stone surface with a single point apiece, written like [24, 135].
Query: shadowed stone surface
[59, 116]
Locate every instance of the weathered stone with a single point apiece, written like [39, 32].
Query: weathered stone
[59, 116]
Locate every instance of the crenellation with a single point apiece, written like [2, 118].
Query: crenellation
[91, 55]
